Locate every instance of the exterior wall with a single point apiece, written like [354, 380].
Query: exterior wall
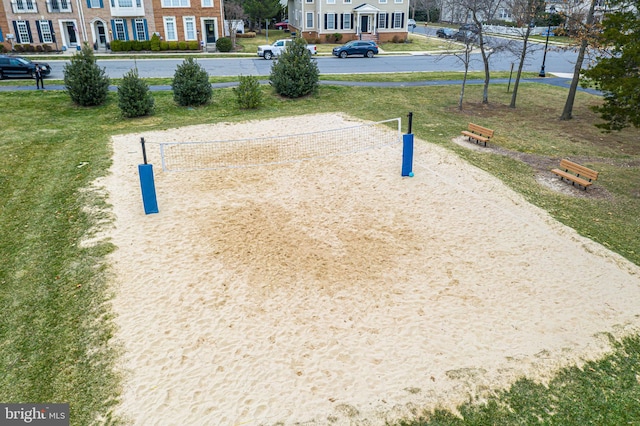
[4, 29]
[208, 20]
[350, 18]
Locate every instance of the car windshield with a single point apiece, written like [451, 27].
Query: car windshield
[24, 61]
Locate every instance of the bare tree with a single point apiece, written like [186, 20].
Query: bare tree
[484, 10]
[525, 12]
[234, 14]
[568, 106]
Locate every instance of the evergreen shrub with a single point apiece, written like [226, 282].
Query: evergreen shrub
[295, 73]
[134, 97]
[224, 44]
[190, 84]
[248, 93]
[86, 83]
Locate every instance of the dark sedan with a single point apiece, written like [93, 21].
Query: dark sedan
[446, 32]
[356, 47]
[16, 66]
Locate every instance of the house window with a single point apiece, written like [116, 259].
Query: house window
[309, 20]
[346, 21]
[382, 1]
[207, 3]
[331, 1]
[95, 4]
[309, 1]
[382, 20]
[141, 32]
[170, 28]
[398, 19]
[25, 6]
[124, 3]
[504, 14]
[189, 27]
[175, 3]
[330, 21]
[397, 1]
[45, 32]
[120, 32]
[23, 32]
[346, 1]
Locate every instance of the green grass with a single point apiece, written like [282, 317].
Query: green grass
[56, 327]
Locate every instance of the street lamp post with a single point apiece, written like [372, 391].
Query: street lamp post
[552, 10]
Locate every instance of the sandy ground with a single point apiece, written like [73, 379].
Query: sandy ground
[334, 291]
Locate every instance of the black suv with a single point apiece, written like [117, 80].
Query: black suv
[16, 66]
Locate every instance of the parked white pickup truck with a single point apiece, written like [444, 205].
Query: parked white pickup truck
[268, 51]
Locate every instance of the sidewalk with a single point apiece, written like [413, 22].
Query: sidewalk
[557, 80]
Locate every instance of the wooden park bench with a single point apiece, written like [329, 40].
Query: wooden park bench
[576, 173]
[479, 133]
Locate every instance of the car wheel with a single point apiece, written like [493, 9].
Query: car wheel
[369, 54]
[268, 55]
[1, 75]
[343, 54]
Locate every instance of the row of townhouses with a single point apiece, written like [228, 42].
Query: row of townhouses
[68, 24]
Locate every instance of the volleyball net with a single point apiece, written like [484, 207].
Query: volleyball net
[192, 156]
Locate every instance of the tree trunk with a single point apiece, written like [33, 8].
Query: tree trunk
[568, 106]
[514, 95]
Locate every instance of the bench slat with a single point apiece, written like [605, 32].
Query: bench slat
[572, 177]
[578, 169]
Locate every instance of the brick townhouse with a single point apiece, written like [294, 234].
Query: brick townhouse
[68, 24]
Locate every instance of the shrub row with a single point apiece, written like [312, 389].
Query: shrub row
[137, 46]
[20, 48]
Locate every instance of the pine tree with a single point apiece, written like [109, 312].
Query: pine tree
[86, 83]
[191, 85]
[295, 73]
[134, 97]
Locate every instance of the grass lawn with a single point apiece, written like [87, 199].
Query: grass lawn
[56, 325]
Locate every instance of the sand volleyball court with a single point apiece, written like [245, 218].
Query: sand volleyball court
[335, 292]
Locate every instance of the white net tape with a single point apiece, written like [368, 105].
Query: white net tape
[189, 156]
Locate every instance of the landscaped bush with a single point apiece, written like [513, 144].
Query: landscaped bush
[224, 44]
[47, 48]
[333, 38]
[86, 83]
[191, 85]
[2, 48]
[155, 43]
[173, 45]
[295, 74]
[136, 45]
[193, 45]
[182, 45]
[117, 46]
[248, 34]
[134, 97]
[248, 93]
[164, 45]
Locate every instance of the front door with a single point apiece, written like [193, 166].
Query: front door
[364, 24]
[71, 34]
[102, 36]
[210, 30]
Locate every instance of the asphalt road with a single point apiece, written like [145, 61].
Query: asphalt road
[557, 61]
